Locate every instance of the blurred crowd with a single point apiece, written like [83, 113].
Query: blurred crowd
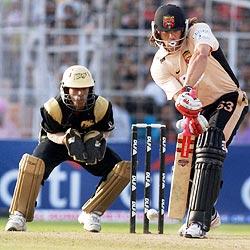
[127, 51]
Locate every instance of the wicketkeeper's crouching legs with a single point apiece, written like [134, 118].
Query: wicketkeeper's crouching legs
[107, 191]
[30, 175]
[210, 155]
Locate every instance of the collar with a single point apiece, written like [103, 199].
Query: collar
[162, 52]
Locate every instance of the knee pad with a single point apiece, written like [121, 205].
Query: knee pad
[30, 175]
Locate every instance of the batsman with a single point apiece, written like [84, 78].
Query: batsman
[75, 125]
[193, 71]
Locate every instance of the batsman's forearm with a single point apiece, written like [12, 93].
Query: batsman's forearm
[196, 68]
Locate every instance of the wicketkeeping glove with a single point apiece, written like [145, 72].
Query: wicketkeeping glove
[95, 146]
[75, 145]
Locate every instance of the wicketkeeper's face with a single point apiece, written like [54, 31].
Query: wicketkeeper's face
[79, 96]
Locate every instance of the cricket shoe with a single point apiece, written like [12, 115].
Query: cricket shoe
[195, 231]
[183, 229]
[16, 223]
[91, 222]
[215, 222]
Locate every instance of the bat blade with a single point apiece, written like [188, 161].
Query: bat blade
[181, 176]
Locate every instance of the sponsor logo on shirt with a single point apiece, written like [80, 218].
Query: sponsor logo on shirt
[201, 34]
[87, 123]
[111, 125]
[187, 55]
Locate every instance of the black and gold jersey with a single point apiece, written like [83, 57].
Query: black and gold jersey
[57, 117]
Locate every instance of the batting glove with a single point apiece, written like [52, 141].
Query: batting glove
[187, 105]
[196, 125]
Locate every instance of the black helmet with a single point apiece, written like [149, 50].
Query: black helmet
[169, 17]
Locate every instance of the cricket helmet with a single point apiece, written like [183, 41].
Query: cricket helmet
[77, 76]
[169, 17]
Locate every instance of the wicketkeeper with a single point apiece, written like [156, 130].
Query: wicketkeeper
[189, 56]
[75, 125]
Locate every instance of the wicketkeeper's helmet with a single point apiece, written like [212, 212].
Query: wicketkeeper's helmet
[77, 76]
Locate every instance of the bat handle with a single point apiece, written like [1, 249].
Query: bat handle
[186, 130]
[193, 93]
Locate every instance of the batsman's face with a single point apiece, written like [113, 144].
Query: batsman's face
[79, 96]
[171, 38]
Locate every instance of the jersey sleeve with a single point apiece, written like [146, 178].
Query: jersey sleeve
[103, 115]
[51, 117]
[164, 79]
[201, 33]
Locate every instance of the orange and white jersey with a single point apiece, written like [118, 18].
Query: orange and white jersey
[169, 70]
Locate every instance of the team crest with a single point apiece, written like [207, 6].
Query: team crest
[187, 55]
[87, 123]
[80, 75]
[168, 22]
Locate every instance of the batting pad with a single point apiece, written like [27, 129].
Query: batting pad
[30, 175]
[110, 189]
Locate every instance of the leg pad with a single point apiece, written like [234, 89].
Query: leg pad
[210, 155]
[109, 189]
[30, 175]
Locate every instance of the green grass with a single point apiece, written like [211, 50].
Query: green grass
[70, 235]
[46, 226]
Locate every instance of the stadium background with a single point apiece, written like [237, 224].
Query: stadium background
[39, 39]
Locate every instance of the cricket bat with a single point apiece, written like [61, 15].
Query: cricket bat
[181, 174]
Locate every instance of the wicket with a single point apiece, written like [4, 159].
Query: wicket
[162, 179]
